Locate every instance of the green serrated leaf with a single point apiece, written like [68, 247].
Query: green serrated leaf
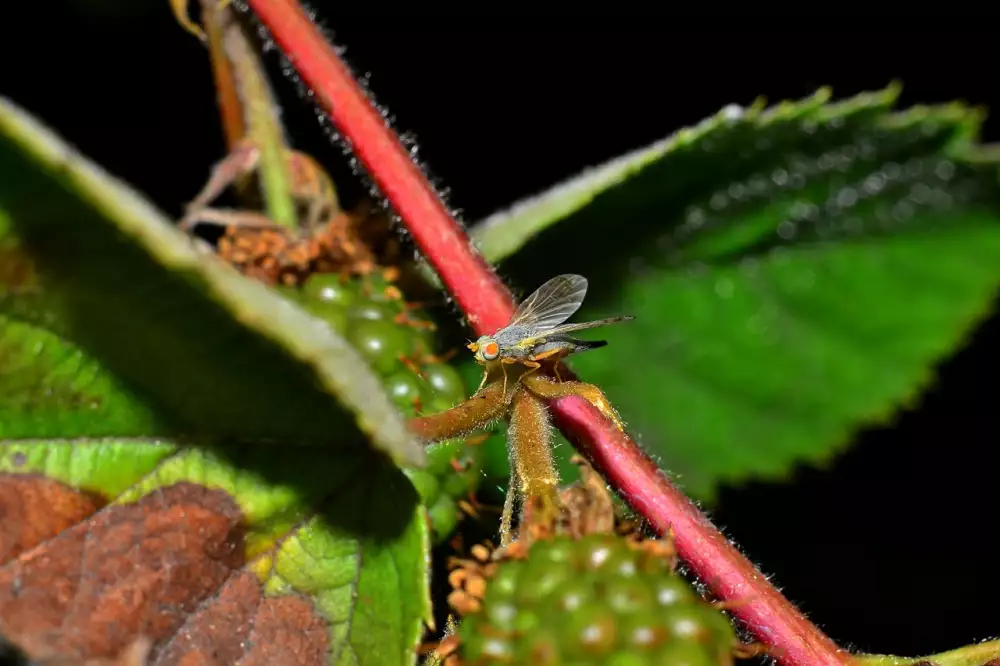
[794, 272]
[343, 530]
[92, 272]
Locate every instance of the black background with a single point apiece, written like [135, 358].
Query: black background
[893, 549]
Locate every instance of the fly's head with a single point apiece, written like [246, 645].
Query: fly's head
[486, 349]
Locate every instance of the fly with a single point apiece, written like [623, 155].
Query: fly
[536, 332]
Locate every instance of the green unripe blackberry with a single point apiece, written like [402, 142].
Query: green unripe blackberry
[381, 342]
[405, 388]
[370, 311]
[445, 381]
[376, 288]
[293, 292]
[329, 289]
[599, 599]
[426, 485]
[332, 313]
[444, 517]
[455, 465]
[390, 337]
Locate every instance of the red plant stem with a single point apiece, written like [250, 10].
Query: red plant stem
[709, 555]
[479, 293]
[793, 640]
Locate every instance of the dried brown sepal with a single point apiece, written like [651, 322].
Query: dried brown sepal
[587, 505]
[445, 651]
[279, 257]
[468, 579]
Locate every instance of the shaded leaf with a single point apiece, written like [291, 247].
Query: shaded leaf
[88, 260]
[794, 272]
[154, 485]
[225, 551]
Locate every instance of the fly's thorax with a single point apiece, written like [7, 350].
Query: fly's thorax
[512, 339]
[512, 335]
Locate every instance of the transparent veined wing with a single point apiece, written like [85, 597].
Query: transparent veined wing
[583, 326]
[552, 303]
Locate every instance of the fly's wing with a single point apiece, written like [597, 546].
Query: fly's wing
[569, 328]
[552, 303]
[554, 334]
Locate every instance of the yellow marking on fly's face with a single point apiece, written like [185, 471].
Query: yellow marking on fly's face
[485, 348]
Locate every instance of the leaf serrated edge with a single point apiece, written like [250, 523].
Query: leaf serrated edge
[491, 235]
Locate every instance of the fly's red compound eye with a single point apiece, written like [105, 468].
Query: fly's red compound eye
[491, 350]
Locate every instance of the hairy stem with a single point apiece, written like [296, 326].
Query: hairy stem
[477, 290]
[488, 304]
[706, 551]
[472, 415]
[529, 438]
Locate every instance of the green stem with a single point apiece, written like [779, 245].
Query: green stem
[981, 654]
[263, 125]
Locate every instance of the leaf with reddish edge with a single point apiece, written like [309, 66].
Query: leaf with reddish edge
[224, 550]
[793, 640]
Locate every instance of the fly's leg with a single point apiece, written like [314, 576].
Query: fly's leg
[531, 365]
[486, 374]
[504, 362]
[533, 362]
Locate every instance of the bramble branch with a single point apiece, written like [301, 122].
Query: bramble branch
[488, 304]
